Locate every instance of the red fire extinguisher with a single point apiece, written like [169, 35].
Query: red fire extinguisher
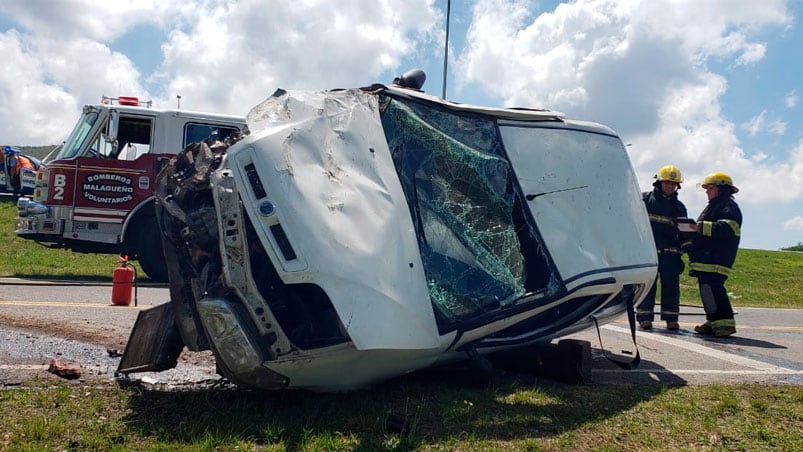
[124, 279]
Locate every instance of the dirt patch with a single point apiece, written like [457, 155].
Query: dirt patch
[96, 349]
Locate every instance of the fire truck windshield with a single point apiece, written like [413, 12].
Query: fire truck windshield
[72, 146]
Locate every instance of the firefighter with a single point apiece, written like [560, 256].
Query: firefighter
[663, 207]
[713, 252]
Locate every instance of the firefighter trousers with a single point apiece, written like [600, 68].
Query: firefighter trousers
[670, 267]
[716, 303]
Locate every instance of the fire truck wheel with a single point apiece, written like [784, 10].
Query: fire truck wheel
[149, 252]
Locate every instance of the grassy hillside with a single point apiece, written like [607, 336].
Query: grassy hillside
[36, 151]
[759, 278]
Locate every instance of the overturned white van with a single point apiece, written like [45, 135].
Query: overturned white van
[355, 235]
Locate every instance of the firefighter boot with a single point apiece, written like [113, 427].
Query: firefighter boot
[723, 328]
[705, 328]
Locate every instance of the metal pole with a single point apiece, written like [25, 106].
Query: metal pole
[446, 47]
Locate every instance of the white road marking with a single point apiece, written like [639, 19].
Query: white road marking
[707, 351]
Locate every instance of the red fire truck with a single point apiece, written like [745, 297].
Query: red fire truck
[96, 194]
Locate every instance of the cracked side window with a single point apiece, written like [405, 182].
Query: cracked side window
[460, 189]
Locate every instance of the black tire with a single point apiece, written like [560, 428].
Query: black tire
[149, 251]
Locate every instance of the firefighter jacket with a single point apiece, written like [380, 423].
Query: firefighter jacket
[663, 210]
[715, 245]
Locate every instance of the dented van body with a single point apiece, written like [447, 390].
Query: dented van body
[356, 235]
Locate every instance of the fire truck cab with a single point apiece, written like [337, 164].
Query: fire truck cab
[96, 194]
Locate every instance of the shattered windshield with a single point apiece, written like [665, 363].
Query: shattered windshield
[79, 135]
[478, 249]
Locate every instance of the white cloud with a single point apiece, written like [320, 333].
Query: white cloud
[33, 111]
[794, 224]
[761, 123]
[86, 19]
[791, 99]
[607, 60]
[44, 82]
[752, 53]
[777, 127]
[755, 124]
[219, 55]
[231, 54]
[759, 157]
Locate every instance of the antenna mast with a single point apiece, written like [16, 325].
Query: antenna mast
[446, 47]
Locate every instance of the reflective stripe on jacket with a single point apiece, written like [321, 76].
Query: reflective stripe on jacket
[663, 210]
[717, 240]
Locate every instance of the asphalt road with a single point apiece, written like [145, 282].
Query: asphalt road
[78, 323]
[767, 348]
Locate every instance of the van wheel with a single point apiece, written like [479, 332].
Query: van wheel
[149, 252]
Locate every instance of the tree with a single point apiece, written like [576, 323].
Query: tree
[798, 247]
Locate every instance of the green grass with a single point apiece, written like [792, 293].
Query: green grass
[760, 278]
[440, 412]
[27, 259]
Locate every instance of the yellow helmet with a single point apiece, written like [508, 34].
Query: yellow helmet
[669, 173]
[719, 179]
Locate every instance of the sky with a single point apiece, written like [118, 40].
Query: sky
[707, 86]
